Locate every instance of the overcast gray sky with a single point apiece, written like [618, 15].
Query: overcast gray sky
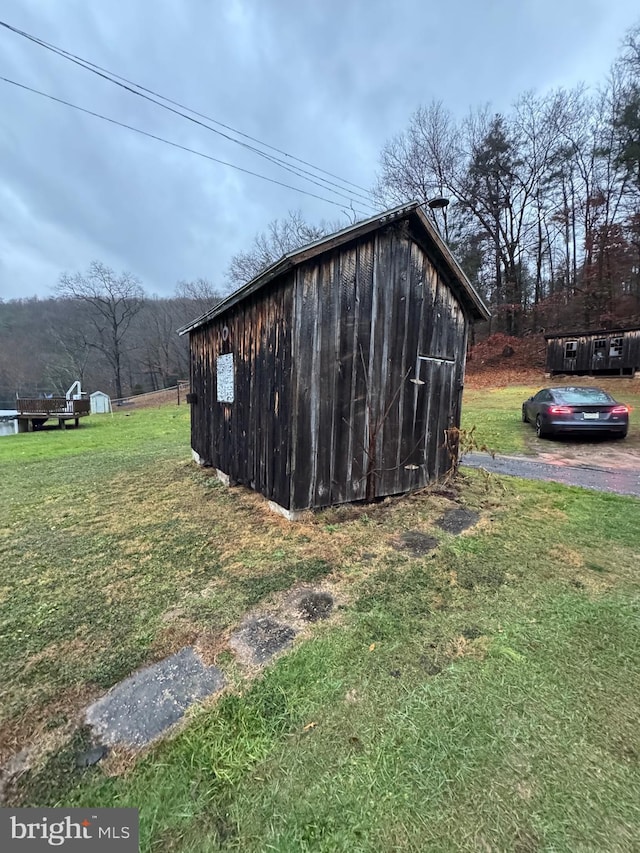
[324, 80]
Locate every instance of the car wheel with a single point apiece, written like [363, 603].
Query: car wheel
[620, 434]
[525, 419]
[540, 430]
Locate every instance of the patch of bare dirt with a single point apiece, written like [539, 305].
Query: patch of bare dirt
[43, 729]
[273, 626]
[501, 360]
[416, 543]
[260, 638]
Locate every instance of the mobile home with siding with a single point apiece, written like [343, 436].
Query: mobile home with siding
[332, 376]
[604, 352]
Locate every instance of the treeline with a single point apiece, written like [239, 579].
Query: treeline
[544, 209]
[543, 214]
[101, 328]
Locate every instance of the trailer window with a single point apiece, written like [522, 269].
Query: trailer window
[599, 348]
[225, 378]
[615, 348]
[571, 349]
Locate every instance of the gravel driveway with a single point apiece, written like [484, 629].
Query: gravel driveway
[620, 480]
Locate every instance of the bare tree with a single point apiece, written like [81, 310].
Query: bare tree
[199, 296]
[420, 162]
[539, 191]
[111, 302]
[281, 236]
[627, 119]
[162, 356]
[72, 353]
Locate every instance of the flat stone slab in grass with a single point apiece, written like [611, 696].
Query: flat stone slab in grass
[457, 519]
[143, 706]
[415, 542]
[260, 638]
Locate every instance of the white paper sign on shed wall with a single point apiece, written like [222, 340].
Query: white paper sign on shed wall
[225, 378]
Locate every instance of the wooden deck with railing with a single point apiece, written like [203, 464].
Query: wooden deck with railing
[34, 411]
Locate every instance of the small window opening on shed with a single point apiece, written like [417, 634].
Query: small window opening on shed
[571, 349]
[225, 383]
[615, 348]
[599, 348]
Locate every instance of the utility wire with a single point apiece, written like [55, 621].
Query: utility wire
[114, 78]
[175, 144]
[293, 169]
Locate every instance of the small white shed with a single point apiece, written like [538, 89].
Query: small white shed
[8, 422]
[100, 403]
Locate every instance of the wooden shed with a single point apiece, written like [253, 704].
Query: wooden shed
[604, 352]
[332, 376]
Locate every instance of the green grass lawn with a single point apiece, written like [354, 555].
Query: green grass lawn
[496, 413]
[483, 697]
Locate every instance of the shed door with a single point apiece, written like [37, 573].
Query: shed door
[439, 411]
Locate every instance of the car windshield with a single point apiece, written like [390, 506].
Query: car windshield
[582, 395]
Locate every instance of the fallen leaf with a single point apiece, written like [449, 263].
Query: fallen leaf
[309, 726]
[372, 647]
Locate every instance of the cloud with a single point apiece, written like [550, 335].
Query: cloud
[327, 82]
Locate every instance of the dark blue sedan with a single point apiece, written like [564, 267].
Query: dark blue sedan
[575, 410]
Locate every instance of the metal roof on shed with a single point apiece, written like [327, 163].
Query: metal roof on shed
[339, 238]
[591, 333]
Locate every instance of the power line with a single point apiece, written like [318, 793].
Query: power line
[174, 144]
[293, 169]
[126, 84]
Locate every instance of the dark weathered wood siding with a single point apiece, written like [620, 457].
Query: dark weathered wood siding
[248, 439]
[368, 319]
[587, 360]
